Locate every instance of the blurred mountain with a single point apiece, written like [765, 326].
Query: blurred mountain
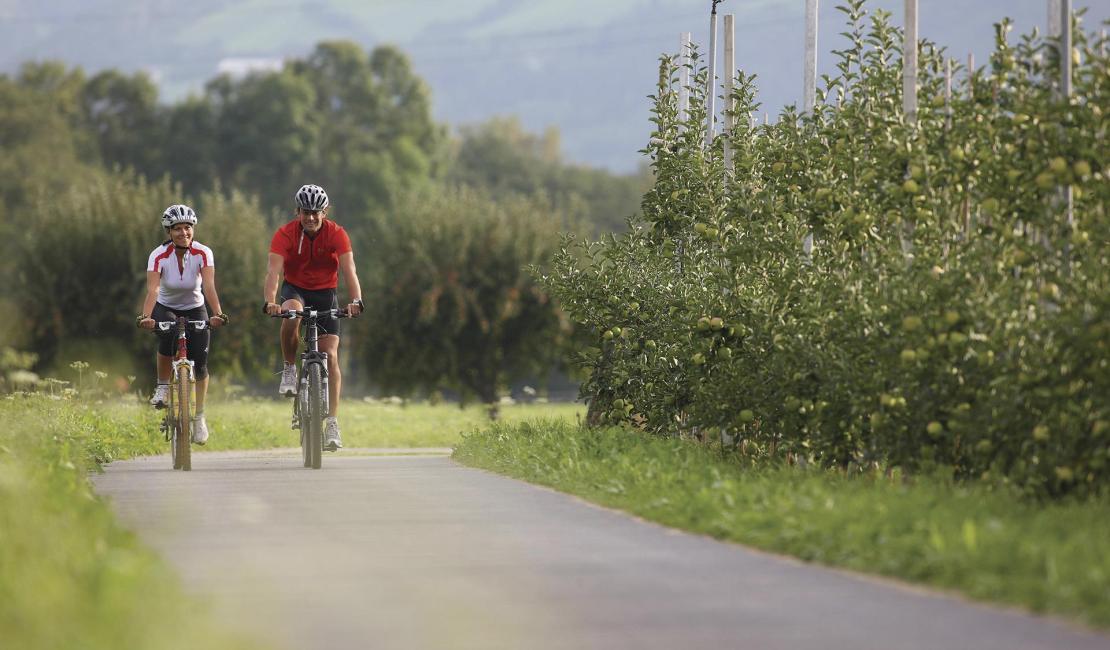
[583, 66]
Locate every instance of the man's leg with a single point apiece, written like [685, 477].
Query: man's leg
[330, 345]
[332, 439]
[289, 343]
[289, 328]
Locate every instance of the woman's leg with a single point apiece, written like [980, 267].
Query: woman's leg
[202, 392]
[164, 368]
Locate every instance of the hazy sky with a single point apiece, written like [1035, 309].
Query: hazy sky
[584, 66]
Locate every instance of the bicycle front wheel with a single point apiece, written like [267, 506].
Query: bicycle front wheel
[170, 421]
[184, 421]
[313, 422]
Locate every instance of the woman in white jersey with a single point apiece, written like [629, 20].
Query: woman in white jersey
[180, 275]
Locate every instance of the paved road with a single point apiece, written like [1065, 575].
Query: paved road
[419, 552]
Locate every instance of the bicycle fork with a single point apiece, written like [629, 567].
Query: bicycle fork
[169, 421]
[302, 392]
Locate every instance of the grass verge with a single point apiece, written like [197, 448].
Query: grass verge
[263, 423]
[986, 543]
[70, 576]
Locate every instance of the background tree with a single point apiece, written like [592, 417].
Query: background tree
[453, 305]
[267, 133]
[122, 113]
[90, 163]
[79, 273]
[501, 156]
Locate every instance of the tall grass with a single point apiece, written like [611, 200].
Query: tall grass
[70, 576]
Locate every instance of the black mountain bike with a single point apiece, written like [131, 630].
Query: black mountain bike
[310, 406]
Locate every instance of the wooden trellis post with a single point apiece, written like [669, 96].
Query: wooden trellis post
[909, 63]
[711, 82]
[809, 87]
[1065, 88]
[729, 68]
[809, 80]
[684, 62]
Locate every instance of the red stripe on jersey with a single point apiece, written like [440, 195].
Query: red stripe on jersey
[166, 253]
[203, 255]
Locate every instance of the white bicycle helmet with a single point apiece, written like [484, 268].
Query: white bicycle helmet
[312, 197]
[178, 213]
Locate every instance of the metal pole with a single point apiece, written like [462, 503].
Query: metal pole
[711, 82]
[684, 79]
[909, 63]
[729, 68]
[809, 81]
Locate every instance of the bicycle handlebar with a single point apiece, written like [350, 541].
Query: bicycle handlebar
[167, 325]
[312, 313]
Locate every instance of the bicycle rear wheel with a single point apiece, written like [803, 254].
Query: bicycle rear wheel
[314, 418]
[184, 421]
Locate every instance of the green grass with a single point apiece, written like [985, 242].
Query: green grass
[259, 423]
[987, 543]
[70, 576]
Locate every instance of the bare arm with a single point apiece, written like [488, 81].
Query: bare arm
[153, 280]
[208, 285]
[350, 277]
[273, 275]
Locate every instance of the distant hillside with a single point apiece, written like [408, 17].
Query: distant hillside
[581, 65]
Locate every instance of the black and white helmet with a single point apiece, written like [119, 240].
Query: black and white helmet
[312, 197]
[178, 213]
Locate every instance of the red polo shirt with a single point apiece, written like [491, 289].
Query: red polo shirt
[311, 262]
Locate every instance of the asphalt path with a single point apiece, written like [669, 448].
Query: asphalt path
[416, 551]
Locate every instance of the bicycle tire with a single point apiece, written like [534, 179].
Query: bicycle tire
[300, 409]
[171, 420]
[184, 422]
[315, 417]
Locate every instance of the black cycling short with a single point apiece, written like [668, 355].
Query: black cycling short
[319, 299]
[196, 343]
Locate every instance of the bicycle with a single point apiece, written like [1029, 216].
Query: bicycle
[178, 421]
[310, 406]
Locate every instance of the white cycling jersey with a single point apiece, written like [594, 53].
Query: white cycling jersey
[180, 287]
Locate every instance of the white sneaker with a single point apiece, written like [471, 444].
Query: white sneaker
[288, 386]
[161, 396]
[200, 430]
[331, 434]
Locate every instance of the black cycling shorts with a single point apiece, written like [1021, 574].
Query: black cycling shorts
[196, 343]
[319, 299]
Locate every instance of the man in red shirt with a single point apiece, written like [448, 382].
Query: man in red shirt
[310, 251]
